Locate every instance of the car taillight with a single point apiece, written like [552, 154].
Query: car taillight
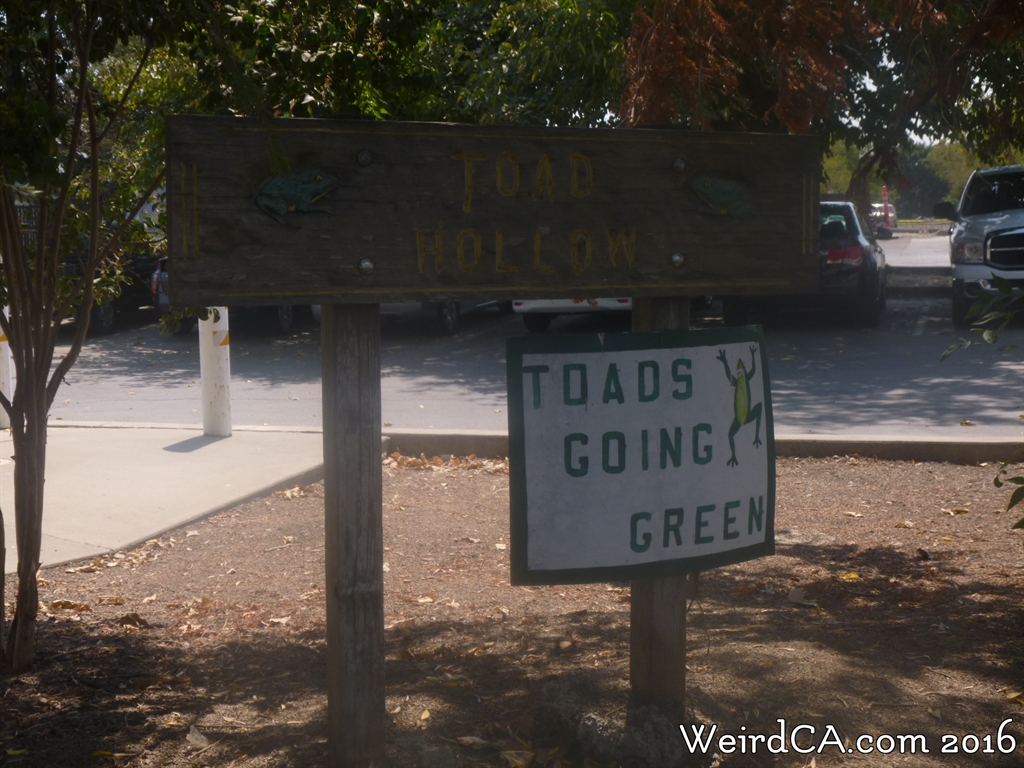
[852, 255]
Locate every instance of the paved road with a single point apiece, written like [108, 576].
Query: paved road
[826, 379]
[912, 249]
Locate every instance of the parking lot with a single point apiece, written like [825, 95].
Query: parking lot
[826, 378]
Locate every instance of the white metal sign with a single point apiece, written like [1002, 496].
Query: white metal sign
[640, 454]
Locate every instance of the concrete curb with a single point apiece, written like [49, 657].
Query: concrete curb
[494, 444]
[937, 449]
[61, 424]
[919, 282]
[919, 271]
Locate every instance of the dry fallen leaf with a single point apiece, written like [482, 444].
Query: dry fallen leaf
[196, 739]
[851, 576]
[425, 715]
[499, 546]
[967, 423]
[798, 596]
[134, 620]
[69, 605]
[905, 524]
[473, 741]
[518, 758]
[92, 567]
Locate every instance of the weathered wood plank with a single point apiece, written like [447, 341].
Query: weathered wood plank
[443, 211]
[354, 542]
[657, 612]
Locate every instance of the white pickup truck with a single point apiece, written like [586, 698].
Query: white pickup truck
[986, 241]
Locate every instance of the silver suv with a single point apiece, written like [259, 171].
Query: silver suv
[986, 240]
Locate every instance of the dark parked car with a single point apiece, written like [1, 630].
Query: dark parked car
[282, 316]
[852, 277]
[447, 313]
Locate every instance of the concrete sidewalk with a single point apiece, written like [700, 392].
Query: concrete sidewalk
[109, 486]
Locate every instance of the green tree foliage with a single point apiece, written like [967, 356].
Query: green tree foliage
[947, 70]
[533, 61]
[312, 59]
[921, 186]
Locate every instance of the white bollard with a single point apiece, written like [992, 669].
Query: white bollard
[215, 372]
[6, 374]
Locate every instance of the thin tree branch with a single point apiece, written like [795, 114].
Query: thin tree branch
[83, 47]
[85, 286]
[64, 308]
[127, 91]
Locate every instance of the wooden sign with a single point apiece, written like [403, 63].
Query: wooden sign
[638, 455]
[377, 211]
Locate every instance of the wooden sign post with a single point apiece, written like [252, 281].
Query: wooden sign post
[348, 214]
[657, 607]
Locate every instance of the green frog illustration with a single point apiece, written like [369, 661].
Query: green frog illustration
[721, 197]
[745, 412]
[281, 195]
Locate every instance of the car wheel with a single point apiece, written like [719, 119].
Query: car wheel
[448, 316]
[285, 317]
[961, 306]
[537, 322]
[102, 319]
[866, 311]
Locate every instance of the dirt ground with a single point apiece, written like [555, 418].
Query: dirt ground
[892, 609]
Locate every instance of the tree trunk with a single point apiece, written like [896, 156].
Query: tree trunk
[29, 440]
[3, 593]
[858, 192]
